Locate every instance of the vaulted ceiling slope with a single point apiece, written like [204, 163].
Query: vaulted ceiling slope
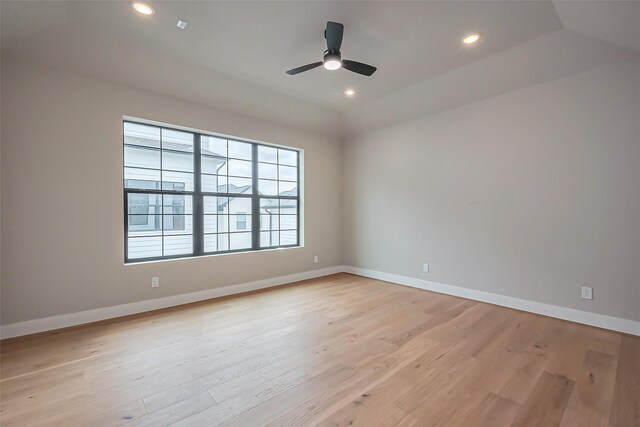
[233, 55]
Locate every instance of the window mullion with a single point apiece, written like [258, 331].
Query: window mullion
[126, 225]
[255, 200]
[299, 187]
[198, 203]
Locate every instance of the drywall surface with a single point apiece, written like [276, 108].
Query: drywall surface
[62, 197]
[531, 194]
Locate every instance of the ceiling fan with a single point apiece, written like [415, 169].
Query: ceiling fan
[332, 59]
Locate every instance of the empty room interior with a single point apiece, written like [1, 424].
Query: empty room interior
[320, 213]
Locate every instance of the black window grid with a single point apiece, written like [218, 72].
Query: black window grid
[198, 197]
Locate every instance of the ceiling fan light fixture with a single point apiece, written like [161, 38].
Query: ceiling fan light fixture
[332, 64]
[332, 61]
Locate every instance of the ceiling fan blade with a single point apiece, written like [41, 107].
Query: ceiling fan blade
[358, 67]
[304, 68]
[333, 34]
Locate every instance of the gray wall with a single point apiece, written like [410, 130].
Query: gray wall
[62, 207]
[531, 194]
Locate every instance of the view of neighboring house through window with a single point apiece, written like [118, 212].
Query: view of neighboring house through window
[278, 189]
[189, 194]
[241, 221]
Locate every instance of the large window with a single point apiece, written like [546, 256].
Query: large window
[190, 194]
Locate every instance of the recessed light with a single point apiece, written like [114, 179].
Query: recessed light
[143, 8]
[471, 38]
[181, 24]
[349, 92]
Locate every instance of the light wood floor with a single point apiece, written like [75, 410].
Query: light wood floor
[336, 351]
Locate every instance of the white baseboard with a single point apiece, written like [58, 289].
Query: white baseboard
[73, 319]
[565, 313]
[79, 318]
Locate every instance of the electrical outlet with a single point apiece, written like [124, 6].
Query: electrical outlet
[155, 282]
[587, 293]
[315, 259]
[425, 268]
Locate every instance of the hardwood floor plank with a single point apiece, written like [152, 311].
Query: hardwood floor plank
[258, 408]
[494, 410]
[589, 403]
[175, 412]
[371, 372]
[120, 415]
[546, 405]
[337, 350]
[625, 409]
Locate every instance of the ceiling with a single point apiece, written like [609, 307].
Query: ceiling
[233, 54]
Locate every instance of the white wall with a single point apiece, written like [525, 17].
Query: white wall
[62, 203]
[531, 194]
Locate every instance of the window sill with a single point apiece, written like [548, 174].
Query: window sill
[191, 257]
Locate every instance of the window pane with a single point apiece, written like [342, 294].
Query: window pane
[214, 165]
[267, 154]
[240, 168]
[240, 222]
[214, 146]
[210, 223]
[240, 150]
[143, 204]
[288, 173]
[210, 242]
[177, 140]
[288, 222]
[216, 223]
[269, 222]
[288, 206]
[177, 224]
[239, 204]
[223, 242]
[268, 188]
[267, 171]
[177, 181]
[144, 179]
[214, 183]
[178, 245]
[240, 241]
[269, 238]
[141, 157]
[142, 135]
[287, 157]
[144, 247]
[144, 225]
[223, 223]
[239, 185]
[269, 205]
[215, 205]
[177, 204]
[177, 161]
[288, 237]
[288, 188]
